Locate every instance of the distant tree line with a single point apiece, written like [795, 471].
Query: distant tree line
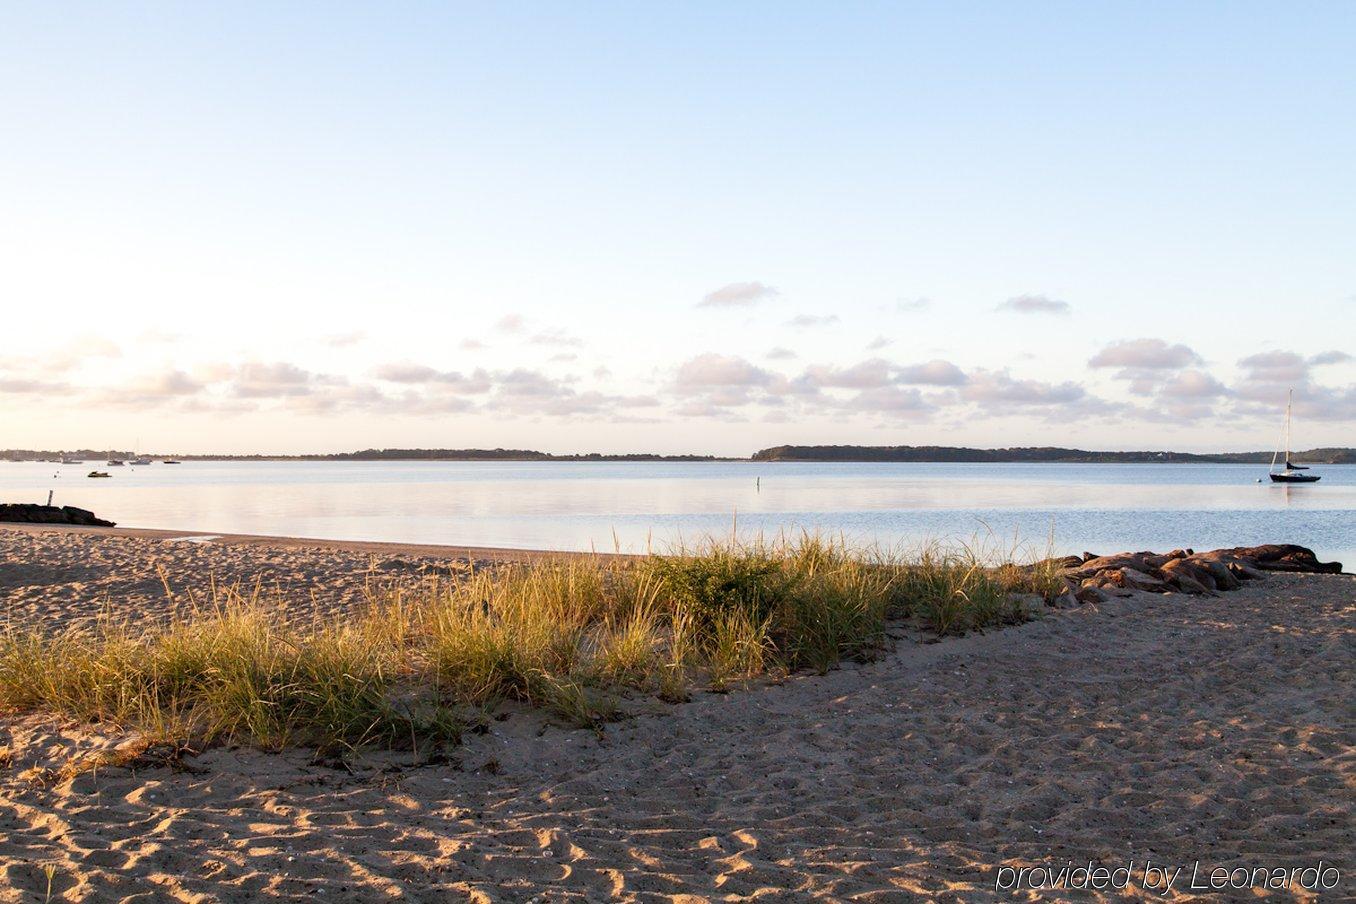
[1032, 454]
[776, 453]
[363, 455]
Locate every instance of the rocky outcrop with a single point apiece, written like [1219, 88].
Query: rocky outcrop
[1094, 577]
[1278, 557]
[32, 513]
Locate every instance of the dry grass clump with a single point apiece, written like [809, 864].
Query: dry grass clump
[232, 672]
[569, 635]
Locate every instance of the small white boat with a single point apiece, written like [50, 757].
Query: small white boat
[72, 461]
[137, 458]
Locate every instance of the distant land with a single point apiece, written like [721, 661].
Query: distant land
[1033, 454]
[774, 454]
[91, 455]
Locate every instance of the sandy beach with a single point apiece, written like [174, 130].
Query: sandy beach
[1160, 728]
[57, 574]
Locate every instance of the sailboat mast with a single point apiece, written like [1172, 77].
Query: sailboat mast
[1289, 401]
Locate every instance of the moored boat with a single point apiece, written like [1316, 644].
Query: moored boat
[1291, 472]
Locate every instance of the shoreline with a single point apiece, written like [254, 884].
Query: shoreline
[57, 575]
[480, 555]
[373, 547]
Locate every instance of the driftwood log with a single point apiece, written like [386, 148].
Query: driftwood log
[1092, 578]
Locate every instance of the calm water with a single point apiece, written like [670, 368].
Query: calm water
[550, 505]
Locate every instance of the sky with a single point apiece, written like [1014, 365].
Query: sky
[697, 227]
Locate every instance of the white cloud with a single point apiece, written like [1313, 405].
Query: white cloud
[1144, 354]
[891, 400]
[738, 295]
[477, 382]
[873, 373]
[1035, 304]
[24, 386]
[998, 389]
[510, 323]
[1193, 384]
[713, 370]
[345, 340]
[1275, 367]
[277, 379]
[1330, 357]
[803, 321]
[556, 337]
[932, 373]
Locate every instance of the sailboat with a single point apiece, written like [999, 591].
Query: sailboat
[138, 458]
[1291, 472]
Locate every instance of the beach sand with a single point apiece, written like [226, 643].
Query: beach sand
[57, 575]
[1170, 728]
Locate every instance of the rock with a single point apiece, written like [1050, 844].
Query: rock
[1223, 577]
[83, 516]
[1280, 557]
[1189, 578]
[1143, 562]
[1140, 580]
[1245, 572]
[1063, 563]
[1092, 577]
[1091, 593]
[31, 513]
[1187, 584]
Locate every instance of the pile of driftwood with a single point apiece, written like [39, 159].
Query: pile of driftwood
[1092, 578]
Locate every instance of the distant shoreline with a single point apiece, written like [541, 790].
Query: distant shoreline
[863, 454]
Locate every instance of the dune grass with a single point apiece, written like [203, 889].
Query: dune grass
[573, 636]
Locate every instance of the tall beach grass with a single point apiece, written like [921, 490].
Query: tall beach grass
[573, 635]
